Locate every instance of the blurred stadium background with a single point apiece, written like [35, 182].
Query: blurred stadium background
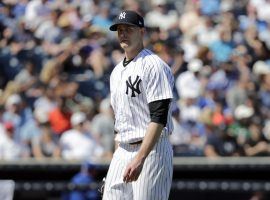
[56, 124]
[195, 178]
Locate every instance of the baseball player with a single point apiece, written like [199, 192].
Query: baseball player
[141, 94]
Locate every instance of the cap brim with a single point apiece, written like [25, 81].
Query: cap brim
[114, 26]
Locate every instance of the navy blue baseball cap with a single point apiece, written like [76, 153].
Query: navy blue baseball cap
[128, 17]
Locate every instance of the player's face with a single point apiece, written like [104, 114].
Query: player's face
[129, 36]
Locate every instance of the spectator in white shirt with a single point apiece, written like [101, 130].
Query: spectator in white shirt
[188, 84]
[9, 149]
[77, 143]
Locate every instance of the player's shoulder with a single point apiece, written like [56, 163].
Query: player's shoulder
[150, 57]
[117, 68]
[152, 60]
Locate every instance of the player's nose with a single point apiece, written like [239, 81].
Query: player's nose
[122, 34]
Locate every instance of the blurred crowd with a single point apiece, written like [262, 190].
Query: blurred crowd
[56, 58]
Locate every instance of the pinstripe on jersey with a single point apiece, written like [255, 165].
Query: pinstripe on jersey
[154, 182]
[145, 79]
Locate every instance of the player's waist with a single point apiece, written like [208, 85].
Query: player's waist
[136, 146]
[133, 141]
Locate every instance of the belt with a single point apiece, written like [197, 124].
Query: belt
[137, 142]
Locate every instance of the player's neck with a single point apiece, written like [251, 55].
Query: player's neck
[132, 53]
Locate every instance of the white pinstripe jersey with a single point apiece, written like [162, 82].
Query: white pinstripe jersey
[145, 79]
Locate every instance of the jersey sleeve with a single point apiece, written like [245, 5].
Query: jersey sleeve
[159, 83]
[159, 111]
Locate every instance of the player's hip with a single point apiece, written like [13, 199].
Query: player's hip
[162, 146]
[135, 137]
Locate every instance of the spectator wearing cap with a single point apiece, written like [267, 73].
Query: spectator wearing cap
[9, 148]
[77, 143]
[188, 83]
[242, 118]
[189, 87]
[260, 68]
[17, 113]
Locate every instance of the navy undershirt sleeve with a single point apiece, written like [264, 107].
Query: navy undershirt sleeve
[159, 111]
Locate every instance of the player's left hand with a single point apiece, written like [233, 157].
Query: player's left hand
[133, 170]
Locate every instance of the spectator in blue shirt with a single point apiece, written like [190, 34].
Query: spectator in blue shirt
[84, 178]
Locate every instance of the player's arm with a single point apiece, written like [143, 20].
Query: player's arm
[158, 114]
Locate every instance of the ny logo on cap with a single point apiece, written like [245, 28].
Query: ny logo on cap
[122, 15]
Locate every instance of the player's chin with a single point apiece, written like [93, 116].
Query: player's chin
[124, 45]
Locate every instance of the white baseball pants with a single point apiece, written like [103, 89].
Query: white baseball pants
[154, 182]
